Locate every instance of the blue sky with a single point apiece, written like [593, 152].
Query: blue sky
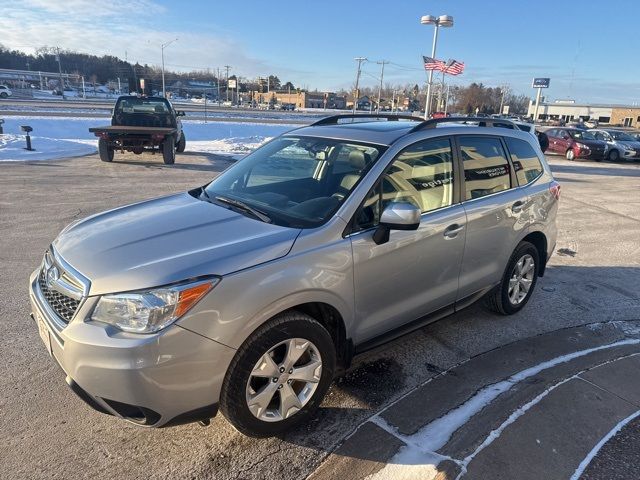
[313, 44]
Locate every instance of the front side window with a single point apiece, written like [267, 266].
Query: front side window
[525, 160]
[295, 181]
[486, 168]
[422, 174]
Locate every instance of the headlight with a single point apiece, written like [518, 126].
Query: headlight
[150, 311]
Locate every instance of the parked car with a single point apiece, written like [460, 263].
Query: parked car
[251, 292]
[5, 91]
[575, 143]
[621, 144]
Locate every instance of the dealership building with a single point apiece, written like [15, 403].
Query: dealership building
[568, 110]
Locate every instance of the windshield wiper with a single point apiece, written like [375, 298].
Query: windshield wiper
[243, 206]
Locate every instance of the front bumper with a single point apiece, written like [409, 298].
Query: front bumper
[156, 380]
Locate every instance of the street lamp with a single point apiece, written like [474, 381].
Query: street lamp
[441, 21]
[164, 93]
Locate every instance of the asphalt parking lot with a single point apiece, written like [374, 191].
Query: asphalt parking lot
[46, 432]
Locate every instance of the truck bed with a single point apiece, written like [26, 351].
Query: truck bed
[124, 129]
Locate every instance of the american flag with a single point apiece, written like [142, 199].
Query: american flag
[433, 64]
[453, 67]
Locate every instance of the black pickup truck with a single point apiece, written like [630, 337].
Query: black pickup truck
[141, 124]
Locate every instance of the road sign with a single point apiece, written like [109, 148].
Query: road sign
[541, 82]
[232, 83]
[505, 110]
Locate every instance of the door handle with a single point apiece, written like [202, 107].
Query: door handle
[517, 207]
[452, 231]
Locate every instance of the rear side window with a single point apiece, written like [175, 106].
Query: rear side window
[486, 168]
[524, 159]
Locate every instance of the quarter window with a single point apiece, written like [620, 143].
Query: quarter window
[525, 160]
[486, 168]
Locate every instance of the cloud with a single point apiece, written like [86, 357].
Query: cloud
[109, 28]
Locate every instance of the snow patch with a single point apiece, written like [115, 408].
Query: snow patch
[61, 137]
[436, 434]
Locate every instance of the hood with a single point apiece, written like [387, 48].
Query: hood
[629, 143]
[168, 240]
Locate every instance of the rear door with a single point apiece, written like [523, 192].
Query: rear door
[415, 272]
[494, 209]
[552, 135]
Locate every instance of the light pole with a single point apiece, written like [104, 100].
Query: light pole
[164, 45]
[441, 21]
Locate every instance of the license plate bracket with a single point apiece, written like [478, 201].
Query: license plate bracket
[43, 331]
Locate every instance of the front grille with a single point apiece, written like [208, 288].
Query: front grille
[65, 307]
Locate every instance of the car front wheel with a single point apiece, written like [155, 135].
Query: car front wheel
[518, 281]
[571, 155]
[279, 376]
[614, 155]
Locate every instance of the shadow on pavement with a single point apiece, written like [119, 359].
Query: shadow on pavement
[601, 169]
[586, 294]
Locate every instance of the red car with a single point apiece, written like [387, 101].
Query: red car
[576, 143]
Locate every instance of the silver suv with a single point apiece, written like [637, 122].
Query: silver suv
[250, 293]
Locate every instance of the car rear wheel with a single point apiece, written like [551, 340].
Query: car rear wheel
[518, 281]
[106, 152]
[614, 155]
[279, 376]
[169, 150]
[571, 155]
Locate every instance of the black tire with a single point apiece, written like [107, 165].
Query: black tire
[498, 300]
[288, 325]
[570, 154]
[169, 150]
[106, 152]
[614, 155]
[182, 144]
[4, 95]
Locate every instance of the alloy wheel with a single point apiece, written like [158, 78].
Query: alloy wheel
[283, 380]
[521, 279]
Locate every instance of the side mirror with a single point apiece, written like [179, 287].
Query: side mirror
[180, 113]
[397, 216]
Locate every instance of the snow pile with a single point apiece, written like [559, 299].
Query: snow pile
[61, 137]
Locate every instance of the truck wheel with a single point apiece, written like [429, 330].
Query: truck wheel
[106, 152]
[169, 150]
[182, 143]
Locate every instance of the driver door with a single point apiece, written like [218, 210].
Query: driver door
[415, 272]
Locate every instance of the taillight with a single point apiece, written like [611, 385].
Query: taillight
[554, 188]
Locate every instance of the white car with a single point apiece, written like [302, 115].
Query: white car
[5, 91]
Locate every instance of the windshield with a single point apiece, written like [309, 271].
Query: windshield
[622, 136]
[582, 135]
[143, 105]
[296, 181]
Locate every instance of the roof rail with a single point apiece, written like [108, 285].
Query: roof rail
[481, 121]
[334, 119]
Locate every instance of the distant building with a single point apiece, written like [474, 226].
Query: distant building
[612, 114]
[301, 99]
